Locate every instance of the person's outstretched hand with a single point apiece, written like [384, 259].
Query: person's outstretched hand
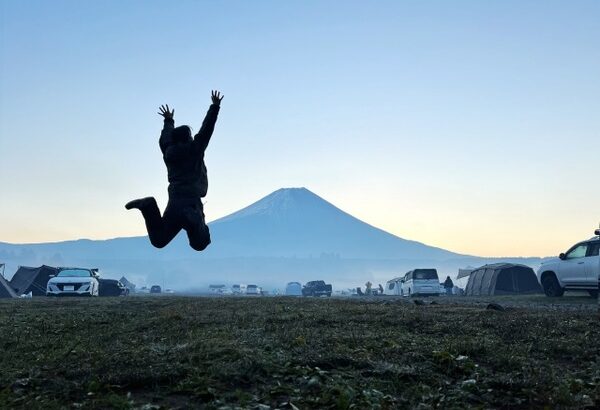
[216, 97]
[164, 111]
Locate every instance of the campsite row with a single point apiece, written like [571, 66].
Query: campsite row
[487, 280]
[496, 279]
[47, 281]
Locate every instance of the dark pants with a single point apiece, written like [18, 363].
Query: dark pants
[181, 213]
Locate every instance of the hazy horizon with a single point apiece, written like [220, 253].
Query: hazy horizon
[468, 126]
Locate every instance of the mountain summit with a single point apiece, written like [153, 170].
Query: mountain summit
[296, 222]
[281, 202]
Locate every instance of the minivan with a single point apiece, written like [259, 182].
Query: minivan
[421, 282]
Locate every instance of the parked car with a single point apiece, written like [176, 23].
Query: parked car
[576, 269]
[253, 290]
[420, 282]
[316, 288]
[216, 289]
[111, 287]
[239, 289]
[73, 282]
[155, 289]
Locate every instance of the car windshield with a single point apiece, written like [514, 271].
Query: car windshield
[70, 273]
[251, 287]
[425, 274]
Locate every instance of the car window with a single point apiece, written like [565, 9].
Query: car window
[426, 274]
[70, 273]
[593, 249]
[577, 252]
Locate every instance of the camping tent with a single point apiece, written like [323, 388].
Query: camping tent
[5, 289]
[502, 279]
[33, 280]
[293, 289]
[394, 286]
[463, 273]
[127, 284]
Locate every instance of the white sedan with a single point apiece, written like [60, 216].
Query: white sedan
[73, 282]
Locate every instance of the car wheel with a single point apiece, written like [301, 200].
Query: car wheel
[551, 286]
[593, 293]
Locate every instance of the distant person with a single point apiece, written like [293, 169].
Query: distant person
[368, 290]
[188, 182]
[448, 285]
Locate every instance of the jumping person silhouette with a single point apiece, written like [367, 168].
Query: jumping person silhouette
[188, 183]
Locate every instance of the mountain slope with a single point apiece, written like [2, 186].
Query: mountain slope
[296, 222]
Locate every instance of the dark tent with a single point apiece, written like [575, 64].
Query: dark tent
[32, 280]
[502, 279]
[5, 289]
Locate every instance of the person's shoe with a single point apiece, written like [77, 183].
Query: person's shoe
[140, 203]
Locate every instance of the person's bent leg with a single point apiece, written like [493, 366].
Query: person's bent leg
[195, 226]
[161, 230]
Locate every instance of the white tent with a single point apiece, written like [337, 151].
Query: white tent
[393, 287]
[293, 289]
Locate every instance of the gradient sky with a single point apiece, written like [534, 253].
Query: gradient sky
[468, 125]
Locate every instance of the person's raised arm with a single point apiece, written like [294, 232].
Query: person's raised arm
[169, 124]
[202, 138]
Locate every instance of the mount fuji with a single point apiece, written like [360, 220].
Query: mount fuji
[294, 222]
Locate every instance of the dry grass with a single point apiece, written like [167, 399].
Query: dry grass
[176, 352]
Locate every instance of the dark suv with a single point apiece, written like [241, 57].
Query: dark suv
[316, 288]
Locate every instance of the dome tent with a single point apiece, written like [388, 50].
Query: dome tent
[5, 290]
[502, 279]
[293, 289]
[27, 279]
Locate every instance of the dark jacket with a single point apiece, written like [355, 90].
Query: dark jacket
[185, 159]
[448, 283]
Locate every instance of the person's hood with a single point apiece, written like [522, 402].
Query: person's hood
[180, 134]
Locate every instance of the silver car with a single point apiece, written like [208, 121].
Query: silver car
[73, 282]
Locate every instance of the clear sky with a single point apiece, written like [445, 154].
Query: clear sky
[469, 125]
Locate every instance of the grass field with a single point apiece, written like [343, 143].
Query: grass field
[176, 352]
